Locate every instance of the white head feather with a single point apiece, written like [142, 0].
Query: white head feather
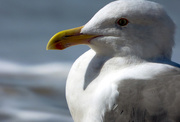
[148, 35]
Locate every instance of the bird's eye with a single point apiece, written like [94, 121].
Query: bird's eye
[122, 22]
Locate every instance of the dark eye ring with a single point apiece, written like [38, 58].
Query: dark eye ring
[122, 22]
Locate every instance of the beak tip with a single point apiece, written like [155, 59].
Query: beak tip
[47, 47]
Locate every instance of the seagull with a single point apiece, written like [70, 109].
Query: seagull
[127, 75]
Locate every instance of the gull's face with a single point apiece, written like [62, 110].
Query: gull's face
[121, 28]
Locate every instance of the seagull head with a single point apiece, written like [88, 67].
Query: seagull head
[123, 28]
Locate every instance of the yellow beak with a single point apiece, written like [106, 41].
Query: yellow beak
[67, 38]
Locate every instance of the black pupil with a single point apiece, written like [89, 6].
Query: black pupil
[123, 22]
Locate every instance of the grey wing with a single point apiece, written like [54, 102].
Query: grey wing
[154, 100]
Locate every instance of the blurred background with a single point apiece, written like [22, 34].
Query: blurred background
[32, 80]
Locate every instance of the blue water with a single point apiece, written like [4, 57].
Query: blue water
[32, 80]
